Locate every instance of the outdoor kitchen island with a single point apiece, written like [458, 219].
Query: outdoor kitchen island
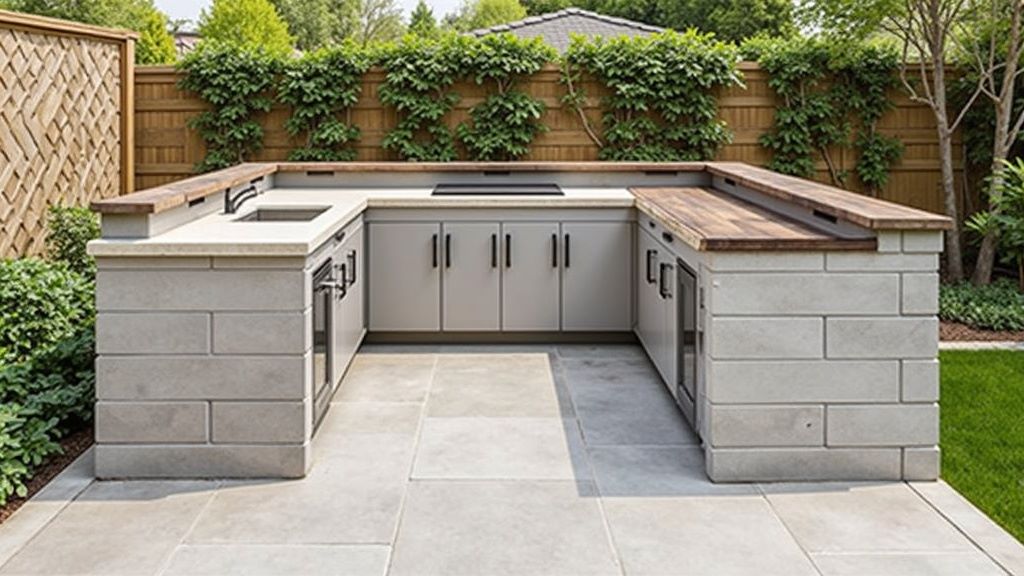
[793, 323]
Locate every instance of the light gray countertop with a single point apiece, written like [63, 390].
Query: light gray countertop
[221, 235]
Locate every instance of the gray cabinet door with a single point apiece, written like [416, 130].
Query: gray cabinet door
[597, 276]
[648, 301]
[348, 331]
[530, 276]
[404, 274]
[472, 275]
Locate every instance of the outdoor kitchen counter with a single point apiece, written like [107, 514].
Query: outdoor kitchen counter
[220, 234]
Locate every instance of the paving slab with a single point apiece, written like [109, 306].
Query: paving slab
[495, 385]
[910, 564]
[502, 528]
[500, 449]
[703, 535]
[647, 471]
[387, 378]
[863, 517]
[275, 560]
[114, 528]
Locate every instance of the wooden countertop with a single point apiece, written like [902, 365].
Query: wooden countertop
[862, 210]
[711, 220]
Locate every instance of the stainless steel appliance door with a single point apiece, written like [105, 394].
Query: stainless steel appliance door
[323, 338]
[689, 340]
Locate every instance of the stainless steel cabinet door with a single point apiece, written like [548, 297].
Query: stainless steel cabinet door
[648, 300]
[667, 332]
[472, 275]
[404, 274]
[597, 276]
[530, 273]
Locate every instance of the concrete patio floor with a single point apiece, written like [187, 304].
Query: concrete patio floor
[501, 460]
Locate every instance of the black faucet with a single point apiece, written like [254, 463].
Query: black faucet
[233, 203]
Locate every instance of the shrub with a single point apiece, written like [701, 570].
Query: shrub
[661, 105]
[41, 303]
[236, 83]
[998, 306]
[69, 230]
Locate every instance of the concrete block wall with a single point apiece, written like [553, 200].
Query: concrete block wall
[204, 367]
[822, 366]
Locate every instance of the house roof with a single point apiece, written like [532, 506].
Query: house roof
[185, 41]
[556, 27]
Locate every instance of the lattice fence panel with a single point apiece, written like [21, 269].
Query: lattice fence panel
[60, 130]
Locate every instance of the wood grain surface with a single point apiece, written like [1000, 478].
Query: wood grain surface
[711, 220]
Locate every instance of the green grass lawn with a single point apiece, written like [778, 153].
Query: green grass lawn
[983, 431]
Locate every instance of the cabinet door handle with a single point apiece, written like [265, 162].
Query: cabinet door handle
[342, 286]
[352, 267]
[554, 250]
[434, 250]
[663, 291]
[652, 255]
[447, 250]
[567, 250]
[494, 250]
[508, 250]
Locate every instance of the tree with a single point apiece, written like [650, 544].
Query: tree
[318, 23]
[156, 46]
[246, 24]
[536, 7]
[730, 20]
[927, 31]
[378, 21]
[475, 14]
[999, 75]
[422, 21]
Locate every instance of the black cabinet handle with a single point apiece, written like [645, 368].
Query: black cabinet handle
[662, 290]
[494, 250]
[567, 250]
[652, 255]
[508, 250]
[352, 267]
[554, 250]
[447, 250]
[434, 250]
[342, 287]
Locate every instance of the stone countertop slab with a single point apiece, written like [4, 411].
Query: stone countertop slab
[222, 235]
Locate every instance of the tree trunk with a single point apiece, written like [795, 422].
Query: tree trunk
[954, 254]
[1000, 148]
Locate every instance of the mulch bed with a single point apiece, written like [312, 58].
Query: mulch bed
[73, 447]
[956, 332]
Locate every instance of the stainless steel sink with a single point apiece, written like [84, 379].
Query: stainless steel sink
[283, 214]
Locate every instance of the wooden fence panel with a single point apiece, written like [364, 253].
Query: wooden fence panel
[65, 122]
[167, 151]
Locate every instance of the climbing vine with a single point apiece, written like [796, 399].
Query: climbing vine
[320, 87]
[503, 126]
[419, 74]
[833, 97]
[236, 84]
[662, 105]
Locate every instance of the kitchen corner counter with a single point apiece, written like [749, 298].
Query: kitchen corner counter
[710, 220]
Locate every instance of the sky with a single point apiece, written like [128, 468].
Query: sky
[189, 9]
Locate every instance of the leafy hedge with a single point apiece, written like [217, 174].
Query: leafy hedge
[662, 105]
[998, 306]
[46, 348]
[832, 96]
